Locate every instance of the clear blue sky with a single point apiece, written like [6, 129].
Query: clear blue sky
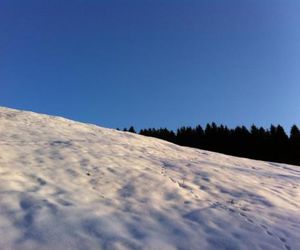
[153, 63]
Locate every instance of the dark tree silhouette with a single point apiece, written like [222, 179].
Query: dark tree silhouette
[271, 144]
[295, 144]
[131, 129]
[295, 134]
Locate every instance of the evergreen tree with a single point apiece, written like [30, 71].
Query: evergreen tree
[295, 133]
[131, 129]
[295, 144]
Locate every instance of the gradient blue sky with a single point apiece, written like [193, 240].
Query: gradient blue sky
[153, 63]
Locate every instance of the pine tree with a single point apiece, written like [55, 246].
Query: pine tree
[131, 129]
[295, 133]
[295, 144]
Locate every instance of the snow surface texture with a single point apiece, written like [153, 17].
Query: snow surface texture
[68, 185]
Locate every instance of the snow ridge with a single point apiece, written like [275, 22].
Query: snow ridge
[69, 185]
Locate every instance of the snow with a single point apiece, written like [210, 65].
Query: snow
[69, 185]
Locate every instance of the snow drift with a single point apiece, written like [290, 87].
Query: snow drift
[68, 185]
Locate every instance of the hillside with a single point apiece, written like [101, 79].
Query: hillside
[69, 185]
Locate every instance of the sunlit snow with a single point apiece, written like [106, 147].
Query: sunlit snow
[69, 185]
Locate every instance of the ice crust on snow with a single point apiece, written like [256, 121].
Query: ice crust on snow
[69, 185]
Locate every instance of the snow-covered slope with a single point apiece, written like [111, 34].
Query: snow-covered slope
[68, 185]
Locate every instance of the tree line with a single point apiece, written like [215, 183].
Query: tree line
[271, 144]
